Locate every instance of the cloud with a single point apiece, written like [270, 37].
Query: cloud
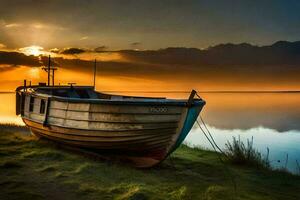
[135, 43]
[2, 46]
[101, 48]
[84, 38]
[45, 26]
[282, 52]
[13, 25]
[15, 58]
[32, 50]
[72, 51]
[5, 67]
[38, 25]
[237, 63]
[229, 55]
[54, 50]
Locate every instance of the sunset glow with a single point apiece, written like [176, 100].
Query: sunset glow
[34, 73]
[32, 50]
[178, 53]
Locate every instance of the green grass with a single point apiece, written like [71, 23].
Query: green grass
[239, 153]
[37, 169]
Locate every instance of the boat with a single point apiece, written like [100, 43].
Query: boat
[144, 130]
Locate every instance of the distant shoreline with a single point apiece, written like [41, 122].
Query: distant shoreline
[2, 92]
[220, 91]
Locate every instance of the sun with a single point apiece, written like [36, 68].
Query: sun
[32, 50]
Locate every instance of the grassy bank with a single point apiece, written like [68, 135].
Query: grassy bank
[31, 169]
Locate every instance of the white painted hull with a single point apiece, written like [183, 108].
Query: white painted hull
[146, 130]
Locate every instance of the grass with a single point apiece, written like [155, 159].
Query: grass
[239, 153]
[37, 169]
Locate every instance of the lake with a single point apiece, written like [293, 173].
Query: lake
[271, 118]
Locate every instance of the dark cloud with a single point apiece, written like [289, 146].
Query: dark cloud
[101, 48]
[54, 50]
[73, 51]
[282, 52]
[134, 44]
[235, 62]
[15, 58]
[226, 62]
[4, 68]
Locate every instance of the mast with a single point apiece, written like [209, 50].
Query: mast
[48, 70]
[53, 76]
[95, 71]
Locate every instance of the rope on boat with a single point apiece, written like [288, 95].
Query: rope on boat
[211, 137]
[204, 133]
[215, 147]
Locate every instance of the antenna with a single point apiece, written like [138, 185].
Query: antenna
[48, 69]
[49, 63]
[95, 71]
[53, 69]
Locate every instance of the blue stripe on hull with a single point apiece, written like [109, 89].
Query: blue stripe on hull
[191, 117]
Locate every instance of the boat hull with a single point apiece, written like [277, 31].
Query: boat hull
[145, 133]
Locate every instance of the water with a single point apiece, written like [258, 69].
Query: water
[271, 118]
[8, 109]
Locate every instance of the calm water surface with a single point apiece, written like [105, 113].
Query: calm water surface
[271, 118]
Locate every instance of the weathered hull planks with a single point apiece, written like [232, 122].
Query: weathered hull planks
[106, 108]
[114, 117]
[96, 133]
[132, 145]
[147, 131]
[111, 140]
[127, 128]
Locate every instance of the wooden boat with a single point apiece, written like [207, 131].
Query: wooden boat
[144, 130]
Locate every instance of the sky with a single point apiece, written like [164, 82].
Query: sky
[140, 24]
[220, 44]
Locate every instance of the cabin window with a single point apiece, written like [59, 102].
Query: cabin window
[31, 104]
[42, 106]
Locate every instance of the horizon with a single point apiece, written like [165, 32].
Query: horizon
[36, 50]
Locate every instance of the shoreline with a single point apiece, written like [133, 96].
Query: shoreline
[205, 91]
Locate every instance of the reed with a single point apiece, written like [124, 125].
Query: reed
[298, 166]
[245, 154]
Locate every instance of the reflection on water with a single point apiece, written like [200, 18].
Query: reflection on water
[278, 111]
[279, 143]
[271, 118]
[7, 109]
